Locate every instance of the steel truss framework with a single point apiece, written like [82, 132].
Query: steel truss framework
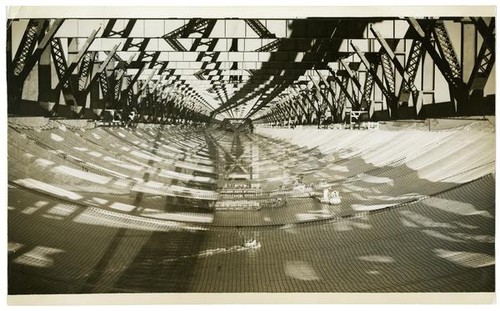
[296, 71]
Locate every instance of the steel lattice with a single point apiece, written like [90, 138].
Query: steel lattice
[368, 88]
[259, 28]
[59, 61]
[85, 70]
[26, 46]
[447, 49]
[388, 72]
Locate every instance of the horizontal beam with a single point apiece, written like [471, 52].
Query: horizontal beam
[247, 57]
[224, 28]
[244, 44]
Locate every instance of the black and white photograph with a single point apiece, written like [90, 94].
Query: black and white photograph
[250, 151]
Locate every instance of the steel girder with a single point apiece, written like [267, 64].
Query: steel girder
[306, 92]
[487, 32]
[288, 108]
[140, 45]
[318, 47]
[36, 38]
[485, 58]
[96, 75]
[290, 103]
[208, 58]
[324, 103]
[61, 70]
[444, 57]
[24, 62]
[259, 28]
[390, 97]
[344, 92]
[28, 42]
[277, 88]
[322, 94]
[334, 104]
[351, 74]
[290, 67]
[193, 26]
[315, 102]
[366, 99]
[271, 46]
[156, 105]
[279, 111]
[45, 94]
[388, 72]
[409, 73]
[142, 94]
[204, 39]
[117, 89]
[300, 102]
[82, 54]
[116, 79]
[149, 57]
[285, 114]
[309, 103]
[364, 102]
[356, 86]
[203, 27]
[412, 64]
[151, 101]
[104, 83]
[109, 32]
[135, 78]
[85, 70]
[446, 49]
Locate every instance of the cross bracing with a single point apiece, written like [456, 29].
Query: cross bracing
[213, 67]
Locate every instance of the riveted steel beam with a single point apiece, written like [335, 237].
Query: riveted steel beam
[61, 69]
[388, 73]
[351, 74]
[305, 94]
[330, 89]
[259, 28]
[317, 86]
[485, 30]
[33, 59]
[34, 29]
[97, 74]
[446, 49]
[412, 65]
[110, 32]
[444, 58]
[344, 92]
[408, 74]
[290, 103]
[85, 70]
[37, 37]
[271, 46]
[485, 59]
[453, 77]
[366, 98]
[390, 97]
[299, 101]
[74, 63]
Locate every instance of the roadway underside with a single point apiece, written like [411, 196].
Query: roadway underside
[393, 232]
